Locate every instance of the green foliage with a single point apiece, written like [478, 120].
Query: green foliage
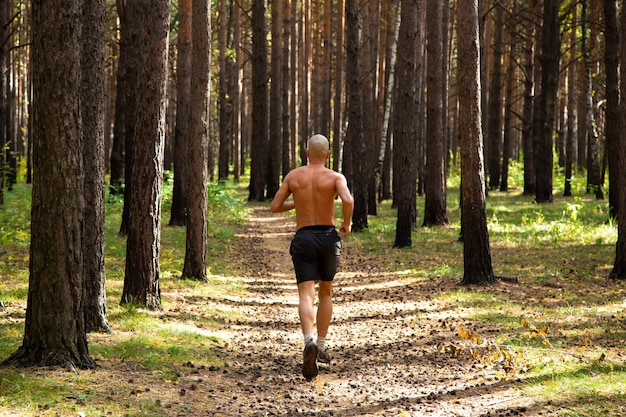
[560, 330]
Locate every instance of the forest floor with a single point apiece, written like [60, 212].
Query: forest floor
[392, 346]
[399, 347]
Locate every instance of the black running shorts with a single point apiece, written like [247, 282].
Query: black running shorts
[315, 252]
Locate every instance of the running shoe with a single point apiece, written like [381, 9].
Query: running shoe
[309, 362]
[323, 356]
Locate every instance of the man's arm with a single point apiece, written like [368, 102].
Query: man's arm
[278, 203]
[347, 202]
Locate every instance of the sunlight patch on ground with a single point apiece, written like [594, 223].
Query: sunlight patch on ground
[385, 284]
[280, 219]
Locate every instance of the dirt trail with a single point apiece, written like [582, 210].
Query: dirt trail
[384, 337]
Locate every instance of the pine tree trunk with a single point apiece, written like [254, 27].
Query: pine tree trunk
[260, 140]
[55, 332]
[477, 267]
[547, 99]
[619, 266]
[286, 89]
[224, 101]
[337, 143]
[613, 122]
[141, 280]
[182, 137]
[405, 125]
[275, 109]
[528, 109]
[196, 243]
[92, 109]
[117, 174]
[572, 113]
[354, 133]
[435, 185]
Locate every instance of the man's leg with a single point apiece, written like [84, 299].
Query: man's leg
[306, 292]
[325, 307]
[306, 310]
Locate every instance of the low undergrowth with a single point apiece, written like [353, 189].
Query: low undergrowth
[556, 326]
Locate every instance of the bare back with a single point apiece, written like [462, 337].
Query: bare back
[314, 190]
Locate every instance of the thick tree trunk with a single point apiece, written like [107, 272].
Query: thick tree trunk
[619, 266]
[54, 332]
[195, 253]
[141, 280]
[369, 111]
[477, 267]
[178, 213]
[435, 185]
[528, 118]
[354, 133]
[405, 161]
[549, 85]
[117, 174]
[92, 109]
[494, 114]
[260, 140]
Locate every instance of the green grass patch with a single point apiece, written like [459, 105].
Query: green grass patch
[160, 345]
[564, 320]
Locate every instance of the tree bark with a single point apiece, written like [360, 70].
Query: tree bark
[477, 267]
[55, 332]
[225, 107]
[117, 174]
[494, 114]
[178, 213]
[92, 112]
[196, 243]
[338, 100]
[286, 88]
[507, 141]
[141, 280]
[613, 123]
[260, 140]
[237, 87]
[275, 109]
[528, 134]
[408, 66]
[435, 184]
[572, 113]
[354, 133]
[593, 145]
[619, 266]
[549, 85]
[4, 55]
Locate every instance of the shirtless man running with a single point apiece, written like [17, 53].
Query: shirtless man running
[316, 247]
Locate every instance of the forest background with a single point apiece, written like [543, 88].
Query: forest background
[548, 82]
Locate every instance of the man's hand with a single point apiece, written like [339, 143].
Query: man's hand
[344, 229]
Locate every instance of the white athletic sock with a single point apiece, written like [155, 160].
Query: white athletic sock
[308, 338]
[321, 342]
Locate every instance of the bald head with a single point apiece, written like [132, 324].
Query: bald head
[318, 147]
